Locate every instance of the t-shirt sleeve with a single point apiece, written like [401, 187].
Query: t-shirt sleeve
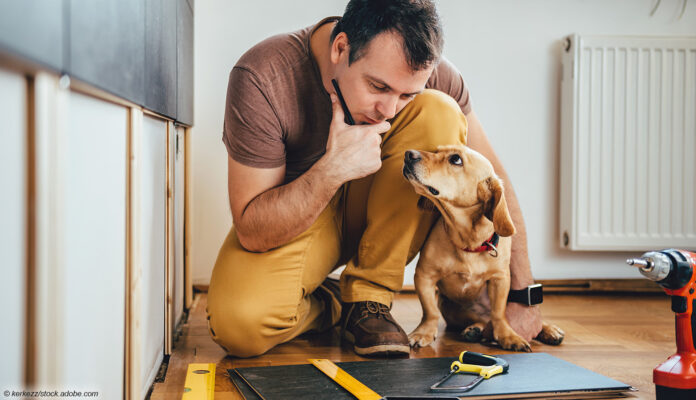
[446, 78]
[251, 132]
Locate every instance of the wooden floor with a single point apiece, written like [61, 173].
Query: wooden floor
[620, 336]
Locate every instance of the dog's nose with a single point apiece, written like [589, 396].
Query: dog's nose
[412, 157]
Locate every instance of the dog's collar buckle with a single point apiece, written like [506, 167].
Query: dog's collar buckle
[493, 251]
[489, 246]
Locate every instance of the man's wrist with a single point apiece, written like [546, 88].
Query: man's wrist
[326, 174]
[520, 275]
[519, 284]
[529, 296]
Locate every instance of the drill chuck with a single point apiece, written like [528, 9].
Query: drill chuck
[653, 265]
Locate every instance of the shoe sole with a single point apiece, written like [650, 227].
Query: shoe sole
[387, 350]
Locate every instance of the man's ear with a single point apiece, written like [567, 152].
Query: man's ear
[339, 47]
[491, 192]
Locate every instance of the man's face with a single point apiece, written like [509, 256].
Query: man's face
[379, 84]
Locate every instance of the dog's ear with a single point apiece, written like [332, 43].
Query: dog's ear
[426, 205]
[491, 192]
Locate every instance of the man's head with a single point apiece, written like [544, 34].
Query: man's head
[416, 20]
[383, 52]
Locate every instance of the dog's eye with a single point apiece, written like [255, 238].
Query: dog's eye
[454, 159]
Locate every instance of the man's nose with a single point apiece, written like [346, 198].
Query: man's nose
[388, 107]
[412, 156]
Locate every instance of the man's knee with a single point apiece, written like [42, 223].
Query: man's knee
[432, 119]
[240, 329]
[436, 103]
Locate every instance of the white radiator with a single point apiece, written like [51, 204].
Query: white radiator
[628, 143]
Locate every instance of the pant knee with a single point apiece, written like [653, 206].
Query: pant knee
[436, 101]
[239, 331]
[432, 119]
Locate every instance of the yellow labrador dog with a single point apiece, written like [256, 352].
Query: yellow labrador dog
[461, 183]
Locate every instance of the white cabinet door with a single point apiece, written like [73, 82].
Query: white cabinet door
[13, 172]
[153, 175]
[93, 238]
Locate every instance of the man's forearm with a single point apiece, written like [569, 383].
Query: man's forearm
[278, 215]
[520, 269]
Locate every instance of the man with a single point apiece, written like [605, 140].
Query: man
[309, 192]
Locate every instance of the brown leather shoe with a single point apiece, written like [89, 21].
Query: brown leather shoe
[373, 331]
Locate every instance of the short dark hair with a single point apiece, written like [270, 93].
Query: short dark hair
[416, 21]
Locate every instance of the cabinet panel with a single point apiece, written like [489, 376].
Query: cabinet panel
[12, 228]
[160, 56]
[153, 169]
[184, 63]
[179, 194]
[107, 45]
[34, 29]
[92, 242]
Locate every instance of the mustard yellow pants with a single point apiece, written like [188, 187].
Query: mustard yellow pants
[373, 225]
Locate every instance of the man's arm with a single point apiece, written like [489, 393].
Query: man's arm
[267, 214]
[526, 321]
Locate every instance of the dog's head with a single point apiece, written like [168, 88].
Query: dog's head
[459, 177]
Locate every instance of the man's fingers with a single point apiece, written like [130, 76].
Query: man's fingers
[378, 128]
[337, 110]
[382, 127]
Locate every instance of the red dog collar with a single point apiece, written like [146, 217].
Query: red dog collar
[488, 245]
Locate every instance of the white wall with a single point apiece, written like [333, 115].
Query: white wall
[509, 54]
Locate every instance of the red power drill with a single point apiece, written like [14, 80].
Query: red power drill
[674, 271]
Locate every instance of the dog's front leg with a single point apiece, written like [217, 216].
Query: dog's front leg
[507, 338]
[426, 332]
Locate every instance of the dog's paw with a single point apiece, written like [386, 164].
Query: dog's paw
[472, 333]
[550, 334]
[514, 343]
[422, 338]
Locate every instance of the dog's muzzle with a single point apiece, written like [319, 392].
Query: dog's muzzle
[411, 158]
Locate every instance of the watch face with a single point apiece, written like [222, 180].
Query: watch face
[536, 295]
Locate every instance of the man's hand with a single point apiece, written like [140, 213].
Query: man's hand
[525, 320]
[352, 151]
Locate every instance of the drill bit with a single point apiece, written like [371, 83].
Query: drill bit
[639, 262]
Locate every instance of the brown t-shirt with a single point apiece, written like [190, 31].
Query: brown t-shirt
[277, 111]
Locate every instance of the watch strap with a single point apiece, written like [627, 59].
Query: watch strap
[531, 295]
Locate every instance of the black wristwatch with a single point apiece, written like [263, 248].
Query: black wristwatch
[529, 296]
